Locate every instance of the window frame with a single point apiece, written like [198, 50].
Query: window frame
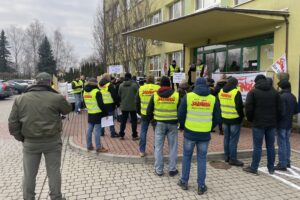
[171, 9]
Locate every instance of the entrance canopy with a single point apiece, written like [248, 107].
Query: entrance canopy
[213, 25]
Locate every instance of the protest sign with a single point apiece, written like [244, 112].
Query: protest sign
[178, 77]
[280, 65]
[115, 69]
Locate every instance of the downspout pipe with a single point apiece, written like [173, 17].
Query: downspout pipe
[287, 23]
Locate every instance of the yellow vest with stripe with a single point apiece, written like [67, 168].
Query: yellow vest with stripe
[199, 117]
[173, 70]
[77, 90]
[145, 93]
[199, 68]
[228, 107]
[91, 101]
[166, 108]
[106, 95]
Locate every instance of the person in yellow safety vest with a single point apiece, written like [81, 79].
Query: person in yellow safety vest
[163, 107]
[110, 99]
[142, 100]
[198, 113]
[96, 110]
[77, 88]
[173, 69]
[199, 68]
[232, 117]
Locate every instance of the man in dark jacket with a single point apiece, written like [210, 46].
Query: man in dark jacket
[232, 115]
[35, 120]
[262, 109]
[110, 100]
[127, 92]
[173, 68]
[289, 107]
[96, 110]
[199, 112]
[163, 108]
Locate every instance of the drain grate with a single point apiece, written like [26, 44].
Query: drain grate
[219, 165]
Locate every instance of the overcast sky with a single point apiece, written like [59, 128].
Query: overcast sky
[74, 18]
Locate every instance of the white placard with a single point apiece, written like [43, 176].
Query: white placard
[115, 69]
[107, 121]
[178, 77]
[280, 65]
[246, 81]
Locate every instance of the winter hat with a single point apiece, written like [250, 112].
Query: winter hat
[165, 81]
[92, 81]
[43, 78]
[127, 76]
[284, 84]
[201, 81]
[259, 77]
[232, 81]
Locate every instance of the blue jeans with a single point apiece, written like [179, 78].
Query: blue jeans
[78, 101]
[231, 139]
[163, 130]
[188, 149]
[284, 147]
[258, 135]
[97, 133]
[111, 128]
[144, 129]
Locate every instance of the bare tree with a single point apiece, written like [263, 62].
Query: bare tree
[34, 36]
[58, 48]
[16, 40]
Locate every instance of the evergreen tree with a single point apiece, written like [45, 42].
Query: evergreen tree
[4, 53]
[46, 60]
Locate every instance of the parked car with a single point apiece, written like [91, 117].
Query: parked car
[17, 87]
[5, 90]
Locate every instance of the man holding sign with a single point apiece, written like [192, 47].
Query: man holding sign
[96, 110]
[173, 69]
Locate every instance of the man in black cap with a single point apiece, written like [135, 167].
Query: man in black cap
[163, 107]
[35, 121]
[262, 109]
[173, 69]
[289, 107]
[232, 115]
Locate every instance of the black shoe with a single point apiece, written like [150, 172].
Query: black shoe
[202, 190]
[236, 163]
[271, 171]
[102, 134]
[279, 168]
[121, 138]
[250, 170]
[288, 166]
[90, 148]
[135, 138]
[173, 173]
[115, 135]
[155, 172]
[183, 186]
[227, 159]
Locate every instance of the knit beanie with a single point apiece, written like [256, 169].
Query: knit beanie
[259, 77]
[165, 81]
[232, 81]
[284, 84]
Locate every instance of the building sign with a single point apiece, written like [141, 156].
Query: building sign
[115, 69]
[246, 81]
[280, 65]
[178, 77]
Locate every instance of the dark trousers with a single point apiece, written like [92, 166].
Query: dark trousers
[177, 84]
[133, 120]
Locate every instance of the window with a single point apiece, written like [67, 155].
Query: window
[156, 18]
[203, 4]
[237, 2]
[250, 59]
[220, 61]
[234, 56]
[176, 10]
[155, 66]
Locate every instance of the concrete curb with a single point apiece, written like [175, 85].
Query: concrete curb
[242, 154]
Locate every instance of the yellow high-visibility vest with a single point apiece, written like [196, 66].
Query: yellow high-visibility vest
[91, 101]
[173, 70]
[145, 93]
[228, 107]
[166, 108]
[199, 68]
[199, 112]
[77, 90]
[106, 95]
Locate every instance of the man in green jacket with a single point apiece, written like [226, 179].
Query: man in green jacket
[35, 120]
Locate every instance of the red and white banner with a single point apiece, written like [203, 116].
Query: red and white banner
[246, 81]
[280, 65]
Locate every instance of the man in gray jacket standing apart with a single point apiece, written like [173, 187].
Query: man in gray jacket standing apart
[35, 120]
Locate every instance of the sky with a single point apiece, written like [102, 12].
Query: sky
[74, 18]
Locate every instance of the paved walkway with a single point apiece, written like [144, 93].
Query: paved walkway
[76, 126]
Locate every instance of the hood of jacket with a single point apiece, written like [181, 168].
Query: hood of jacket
[166, 92]
[89, 88]
[201, 90]
[228, 87]
[35, 88]
[127, 83]
[263, 84]
[103, 82]
[284, 91]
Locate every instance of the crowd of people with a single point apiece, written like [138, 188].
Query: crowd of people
[196, 110]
